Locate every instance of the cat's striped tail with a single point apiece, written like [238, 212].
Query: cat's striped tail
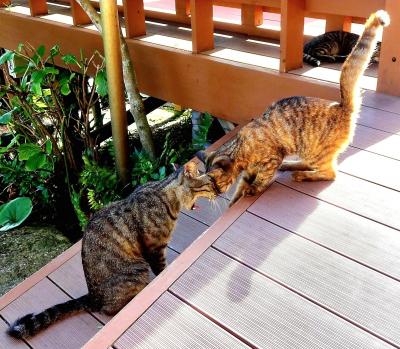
[311, 60]
[358, 60]
[31, 324]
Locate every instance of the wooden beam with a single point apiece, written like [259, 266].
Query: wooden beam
[292, 37]
[252, 15]
[38, 7]
[389, 60]
[202, 25]
[112, 55]
[79, 16]
[334, 23]
[200, 82]
[182, 8]
[135, 24]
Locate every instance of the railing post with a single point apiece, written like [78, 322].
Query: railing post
[182, 8]
[38, 7]
[292, 29]
[336, 22]
[202, 25]
[135, 23]
[79, 16]
[112, 54]
[252, 15]
[389, 60]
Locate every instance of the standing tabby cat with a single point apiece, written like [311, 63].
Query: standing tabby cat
[121, 243]
[315, 129]
[333, 47]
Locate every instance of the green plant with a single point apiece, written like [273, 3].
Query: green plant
[13, 213]
[199, 140]
[99, 183]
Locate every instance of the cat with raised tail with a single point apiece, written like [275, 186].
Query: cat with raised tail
[314, 129]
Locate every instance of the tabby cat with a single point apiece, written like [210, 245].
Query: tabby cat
[333, 47]
[122, 242]
[314, 129]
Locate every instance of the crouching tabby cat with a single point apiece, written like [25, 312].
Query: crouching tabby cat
[122, 242]
[315, 129]
[333, 47]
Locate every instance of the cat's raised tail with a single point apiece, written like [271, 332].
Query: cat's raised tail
[31, 324]
[358, 60]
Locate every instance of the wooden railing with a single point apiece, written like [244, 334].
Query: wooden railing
[201, 81]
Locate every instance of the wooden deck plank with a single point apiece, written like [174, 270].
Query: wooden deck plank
[380, 119]
[206, 213]
[376, 141]
[364, 296]
[262, 311]
[361, 239]
[381, 101]
[364, 198]
[7, 342]
[70, 333]
[169, 323]
[186, 231]
[371, 167]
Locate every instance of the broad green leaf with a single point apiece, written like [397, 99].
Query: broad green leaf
[54, 51]
[13, 213]
[20, 69]
[6, 117]
[37, 76]
[5, 57]
[27, 150]
[41, 50]
[69, 59]
[36, 162]
[65, 90]
[36, 88]
[51, 70]
[101, 83]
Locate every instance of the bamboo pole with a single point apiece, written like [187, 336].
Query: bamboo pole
[112, 54]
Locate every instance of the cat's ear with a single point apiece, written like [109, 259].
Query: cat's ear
[224, 162]
[190, 169]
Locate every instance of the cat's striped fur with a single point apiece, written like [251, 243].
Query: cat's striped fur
[315, 129]
[122, 242]
[333, 47]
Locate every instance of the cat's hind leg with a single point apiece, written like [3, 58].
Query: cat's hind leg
[324, 169]
[122, 287]
[295, 166]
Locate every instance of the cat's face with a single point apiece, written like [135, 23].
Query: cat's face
[219, 169]
[195, 185]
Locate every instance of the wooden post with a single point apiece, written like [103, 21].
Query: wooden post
[79, 16]
[112, 54]
[292, 29]
[134, 18]
[38, 7]
[252, 15]
[182, 8]
[202, 25]
[335, 22]
[389, 60]
[5, 3]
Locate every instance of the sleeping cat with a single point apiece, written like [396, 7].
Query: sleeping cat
[333, 47]
[314, 129]
[122, 242]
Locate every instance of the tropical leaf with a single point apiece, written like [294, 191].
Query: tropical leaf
[13, 213]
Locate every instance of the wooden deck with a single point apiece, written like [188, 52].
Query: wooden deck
[305, 265]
